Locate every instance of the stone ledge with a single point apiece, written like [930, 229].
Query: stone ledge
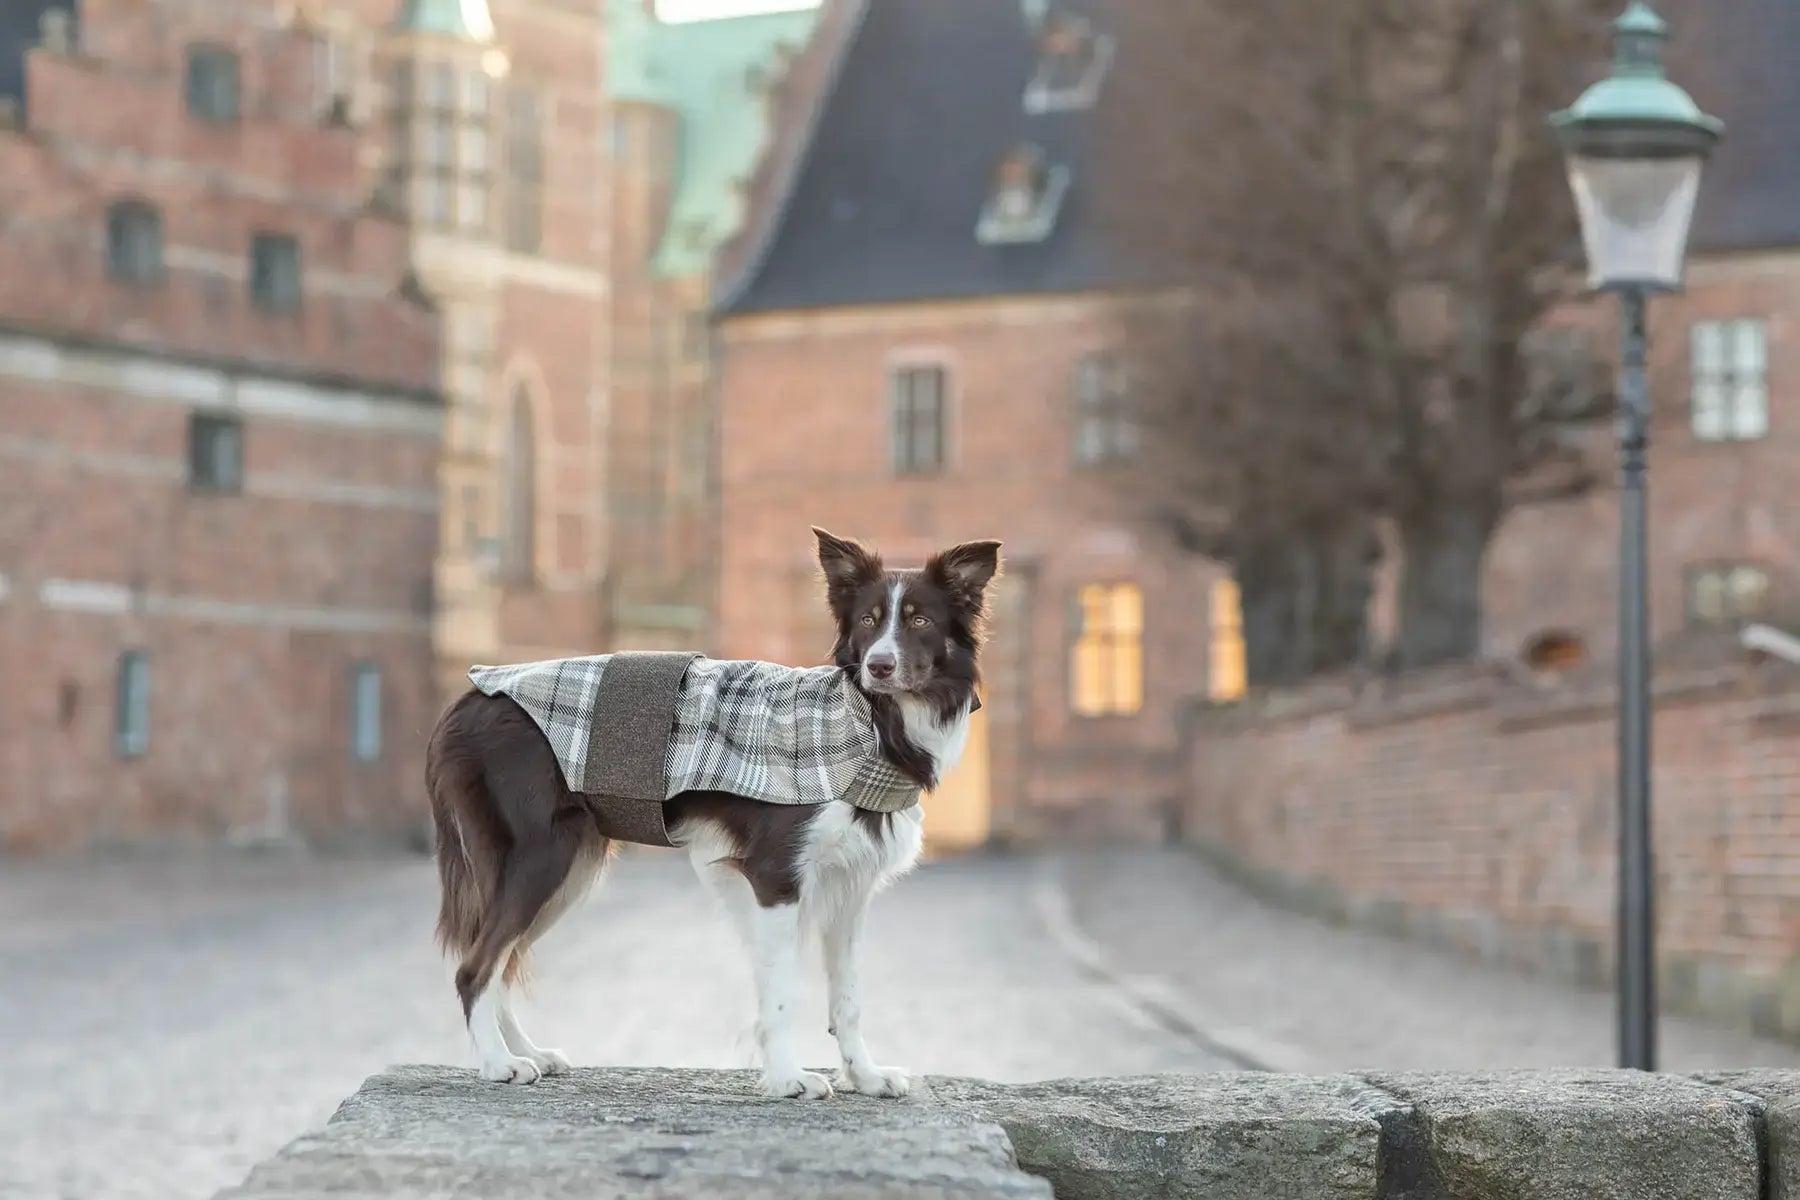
[417, 1132]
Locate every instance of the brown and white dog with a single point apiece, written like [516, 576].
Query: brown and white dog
[515, 847]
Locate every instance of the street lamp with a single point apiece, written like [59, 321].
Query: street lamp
[1635, 145]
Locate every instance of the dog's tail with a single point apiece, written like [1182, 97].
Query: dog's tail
[470, 842]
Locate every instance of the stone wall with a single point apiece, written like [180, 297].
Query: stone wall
[1477, 811]
[434, 1131]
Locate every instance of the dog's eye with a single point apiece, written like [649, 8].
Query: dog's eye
[869, 620]
[921, 622]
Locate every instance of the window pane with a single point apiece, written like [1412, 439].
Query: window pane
[474, 148]
[1127, 609]
[1708, 353]
[1709, 410]
[1750, 410]
[1090, 684]
[1127, 676]
[440, 81]
[434, 201]
[1090, 440]
[1707, 597]
[131, 720]
[1749, 348]
[1749, 591]
[473, 206]
[365, 712]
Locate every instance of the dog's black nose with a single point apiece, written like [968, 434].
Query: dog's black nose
[881, 666]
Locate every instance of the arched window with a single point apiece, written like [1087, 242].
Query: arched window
[520, 557]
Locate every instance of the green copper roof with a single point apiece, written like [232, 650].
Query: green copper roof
[710, 73]
[468, 19]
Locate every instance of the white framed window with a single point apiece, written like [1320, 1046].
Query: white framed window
[1726, 595]
[1105, 426]
[1729, 366]
[1072, 63]
[131, 709]
[916, 401]
[1024, 199]
[365, 712]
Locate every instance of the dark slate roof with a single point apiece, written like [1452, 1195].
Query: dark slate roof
[18, 34]
[928, 99]
[1748, 73]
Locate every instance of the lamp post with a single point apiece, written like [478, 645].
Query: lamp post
[1635, 145]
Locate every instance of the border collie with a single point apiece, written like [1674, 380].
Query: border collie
[516, 847]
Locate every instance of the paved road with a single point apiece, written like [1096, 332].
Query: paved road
[171, 1023]
[1307, 996]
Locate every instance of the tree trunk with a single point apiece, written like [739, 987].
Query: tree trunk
[1267, 595]
[1345, 577]
[1305, 602]
[1440, 584]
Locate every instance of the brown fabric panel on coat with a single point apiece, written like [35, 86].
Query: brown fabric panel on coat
[634, 709]
[639, 821]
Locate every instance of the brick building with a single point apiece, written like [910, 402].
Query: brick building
[219, 435]
[922, 351]
[568, 171]
[345, 335]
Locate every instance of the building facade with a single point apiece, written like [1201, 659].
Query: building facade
[345, 344]
[924, 350]
[219, 439]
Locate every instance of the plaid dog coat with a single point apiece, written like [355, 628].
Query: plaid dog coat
[633, 730]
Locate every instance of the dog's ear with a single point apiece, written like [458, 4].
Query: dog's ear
[848, 565]
[965, 571]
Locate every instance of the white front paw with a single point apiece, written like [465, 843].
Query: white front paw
[511, 1070]
[551, 1062]
[796, 1085]
[887, 1082]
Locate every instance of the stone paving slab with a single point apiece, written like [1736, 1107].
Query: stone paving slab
[1197, 1137]
[1575, 1135]
[422, 1133]
[1778, 1092]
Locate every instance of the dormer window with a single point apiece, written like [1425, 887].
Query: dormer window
[1072, 63]
[1023, 199]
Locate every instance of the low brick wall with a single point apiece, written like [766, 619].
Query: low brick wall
[418, 1132]
[1478, 812]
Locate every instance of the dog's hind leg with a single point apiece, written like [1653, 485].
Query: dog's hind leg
[593, 854]
[535, 869]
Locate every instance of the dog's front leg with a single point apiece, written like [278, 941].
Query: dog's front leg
[843, 971]
[775, 953]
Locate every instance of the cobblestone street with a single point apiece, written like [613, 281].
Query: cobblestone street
[173, 1022]
[176, 1021]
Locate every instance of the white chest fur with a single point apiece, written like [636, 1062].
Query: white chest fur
[944, 741]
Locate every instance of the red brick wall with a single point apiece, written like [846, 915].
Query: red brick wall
[1482, 812]
[251, 607]
[804, 441]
